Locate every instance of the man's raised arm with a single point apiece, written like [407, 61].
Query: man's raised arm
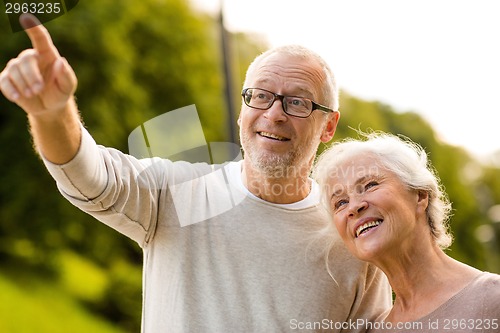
[42, 83]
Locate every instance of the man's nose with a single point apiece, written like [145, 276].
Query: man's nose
[276, 113]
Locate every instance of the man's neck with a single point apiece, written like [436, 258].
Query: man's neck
[284, 187]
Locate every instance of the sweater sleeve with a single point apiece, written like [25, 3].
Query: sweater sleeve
[84, 177]
[117, 189]
[374, 298]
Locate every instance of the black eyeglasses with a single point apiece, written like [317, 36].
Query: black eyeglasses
[262, 99]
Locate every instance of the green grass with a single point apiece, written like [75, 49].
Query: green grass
[29, 303]
[80, 277]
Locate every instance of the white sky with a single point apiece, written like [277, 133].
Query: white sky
[440, 58]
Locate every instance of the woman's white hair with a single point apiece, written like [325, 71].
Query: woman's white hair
[329, 90]
[406, 159]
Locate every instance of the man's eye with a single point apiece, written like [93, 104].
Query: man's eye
[297, 102]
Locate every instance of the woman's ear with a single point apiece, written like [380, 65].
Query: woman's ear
[422, 201]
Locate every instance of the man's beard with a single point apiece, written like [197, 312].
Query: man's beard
[274, 165]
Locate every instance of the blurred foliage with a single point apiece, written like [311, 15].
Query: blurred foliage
[134, 61]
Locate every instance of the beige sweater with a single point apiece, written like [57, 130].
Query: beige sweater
[217, 259]
[476, 308]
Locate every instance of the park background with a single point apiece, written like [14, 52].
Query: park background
[62, 271]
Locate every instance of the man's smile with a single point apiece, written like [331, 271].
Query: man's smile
[272, 136]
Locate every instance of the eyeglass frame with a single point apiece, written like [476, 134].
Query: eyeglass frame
[315, 106]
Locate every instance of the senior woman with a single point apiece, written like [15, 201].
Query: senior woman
[389, 208]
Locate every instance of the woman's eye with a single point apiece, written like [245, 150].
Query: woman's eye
[340, 203]
[370, 185]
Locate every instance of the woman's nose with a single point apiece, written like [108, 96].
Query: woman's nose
[357, 207]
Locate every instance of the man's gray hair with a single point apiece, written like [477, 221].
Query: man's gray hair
[329, 90]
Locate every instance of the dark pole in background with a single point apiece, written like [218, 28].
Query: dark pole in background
[228, 81]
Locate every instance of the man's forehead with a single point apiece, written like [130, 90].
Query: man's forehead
[289, 86]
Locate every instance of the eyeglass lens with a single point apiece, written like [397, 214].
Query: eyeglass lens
[263, 99]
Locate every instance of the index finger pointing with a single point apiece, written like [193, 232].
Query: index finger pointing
[39, 36]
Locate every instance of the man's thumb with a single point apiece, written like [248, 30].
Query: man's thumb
[64, 76]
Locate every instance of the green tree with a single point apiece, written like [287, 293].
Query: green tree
[134, 61]
[138, 60]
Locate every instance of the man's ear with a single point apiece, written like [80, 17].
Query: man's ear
[330, 127]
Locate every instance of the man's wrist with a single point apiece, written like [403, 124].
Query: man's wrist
[51, 116]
